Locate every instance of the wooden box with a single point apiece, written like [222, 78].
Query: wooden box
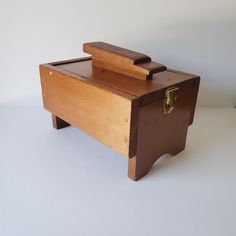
[122, 98]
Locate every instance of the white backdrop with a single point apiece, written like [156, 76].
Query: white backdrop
[189, 35]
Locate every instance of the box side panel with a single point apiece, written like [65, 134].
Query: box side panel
[193, 99]
[100, 113]
[160, 133]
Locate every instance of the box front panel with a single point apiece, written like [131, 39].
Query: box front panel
[102, 114]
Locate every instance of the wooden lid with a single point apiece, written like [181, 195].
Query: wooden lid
[146, 90]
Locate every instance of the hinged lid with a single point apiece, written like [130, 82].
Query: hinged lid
[125, 72]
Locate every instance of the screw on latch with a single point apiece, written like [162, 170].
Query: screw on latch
[125, 140]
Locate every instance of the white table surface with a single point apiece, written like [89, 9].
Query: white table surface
[63, 182]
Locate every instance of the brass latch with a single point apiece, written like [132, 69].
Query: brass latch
[170, 99]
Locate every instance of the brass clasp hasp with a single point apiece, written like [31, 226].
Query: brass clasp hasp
[170, 99]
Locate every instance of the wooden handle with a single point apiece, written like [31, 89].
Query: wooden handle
[121, 60]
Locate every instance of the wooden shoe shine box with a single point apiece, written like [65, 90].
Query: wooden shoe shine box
[125, 100]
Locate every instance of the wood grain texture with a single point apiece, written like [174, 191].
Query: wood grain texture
[100, 113]
[121, 60]
[160, 133]
[109, 51]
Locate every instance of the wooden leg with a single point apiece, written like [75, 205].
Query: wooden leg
[58, 123]
[140, 165]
